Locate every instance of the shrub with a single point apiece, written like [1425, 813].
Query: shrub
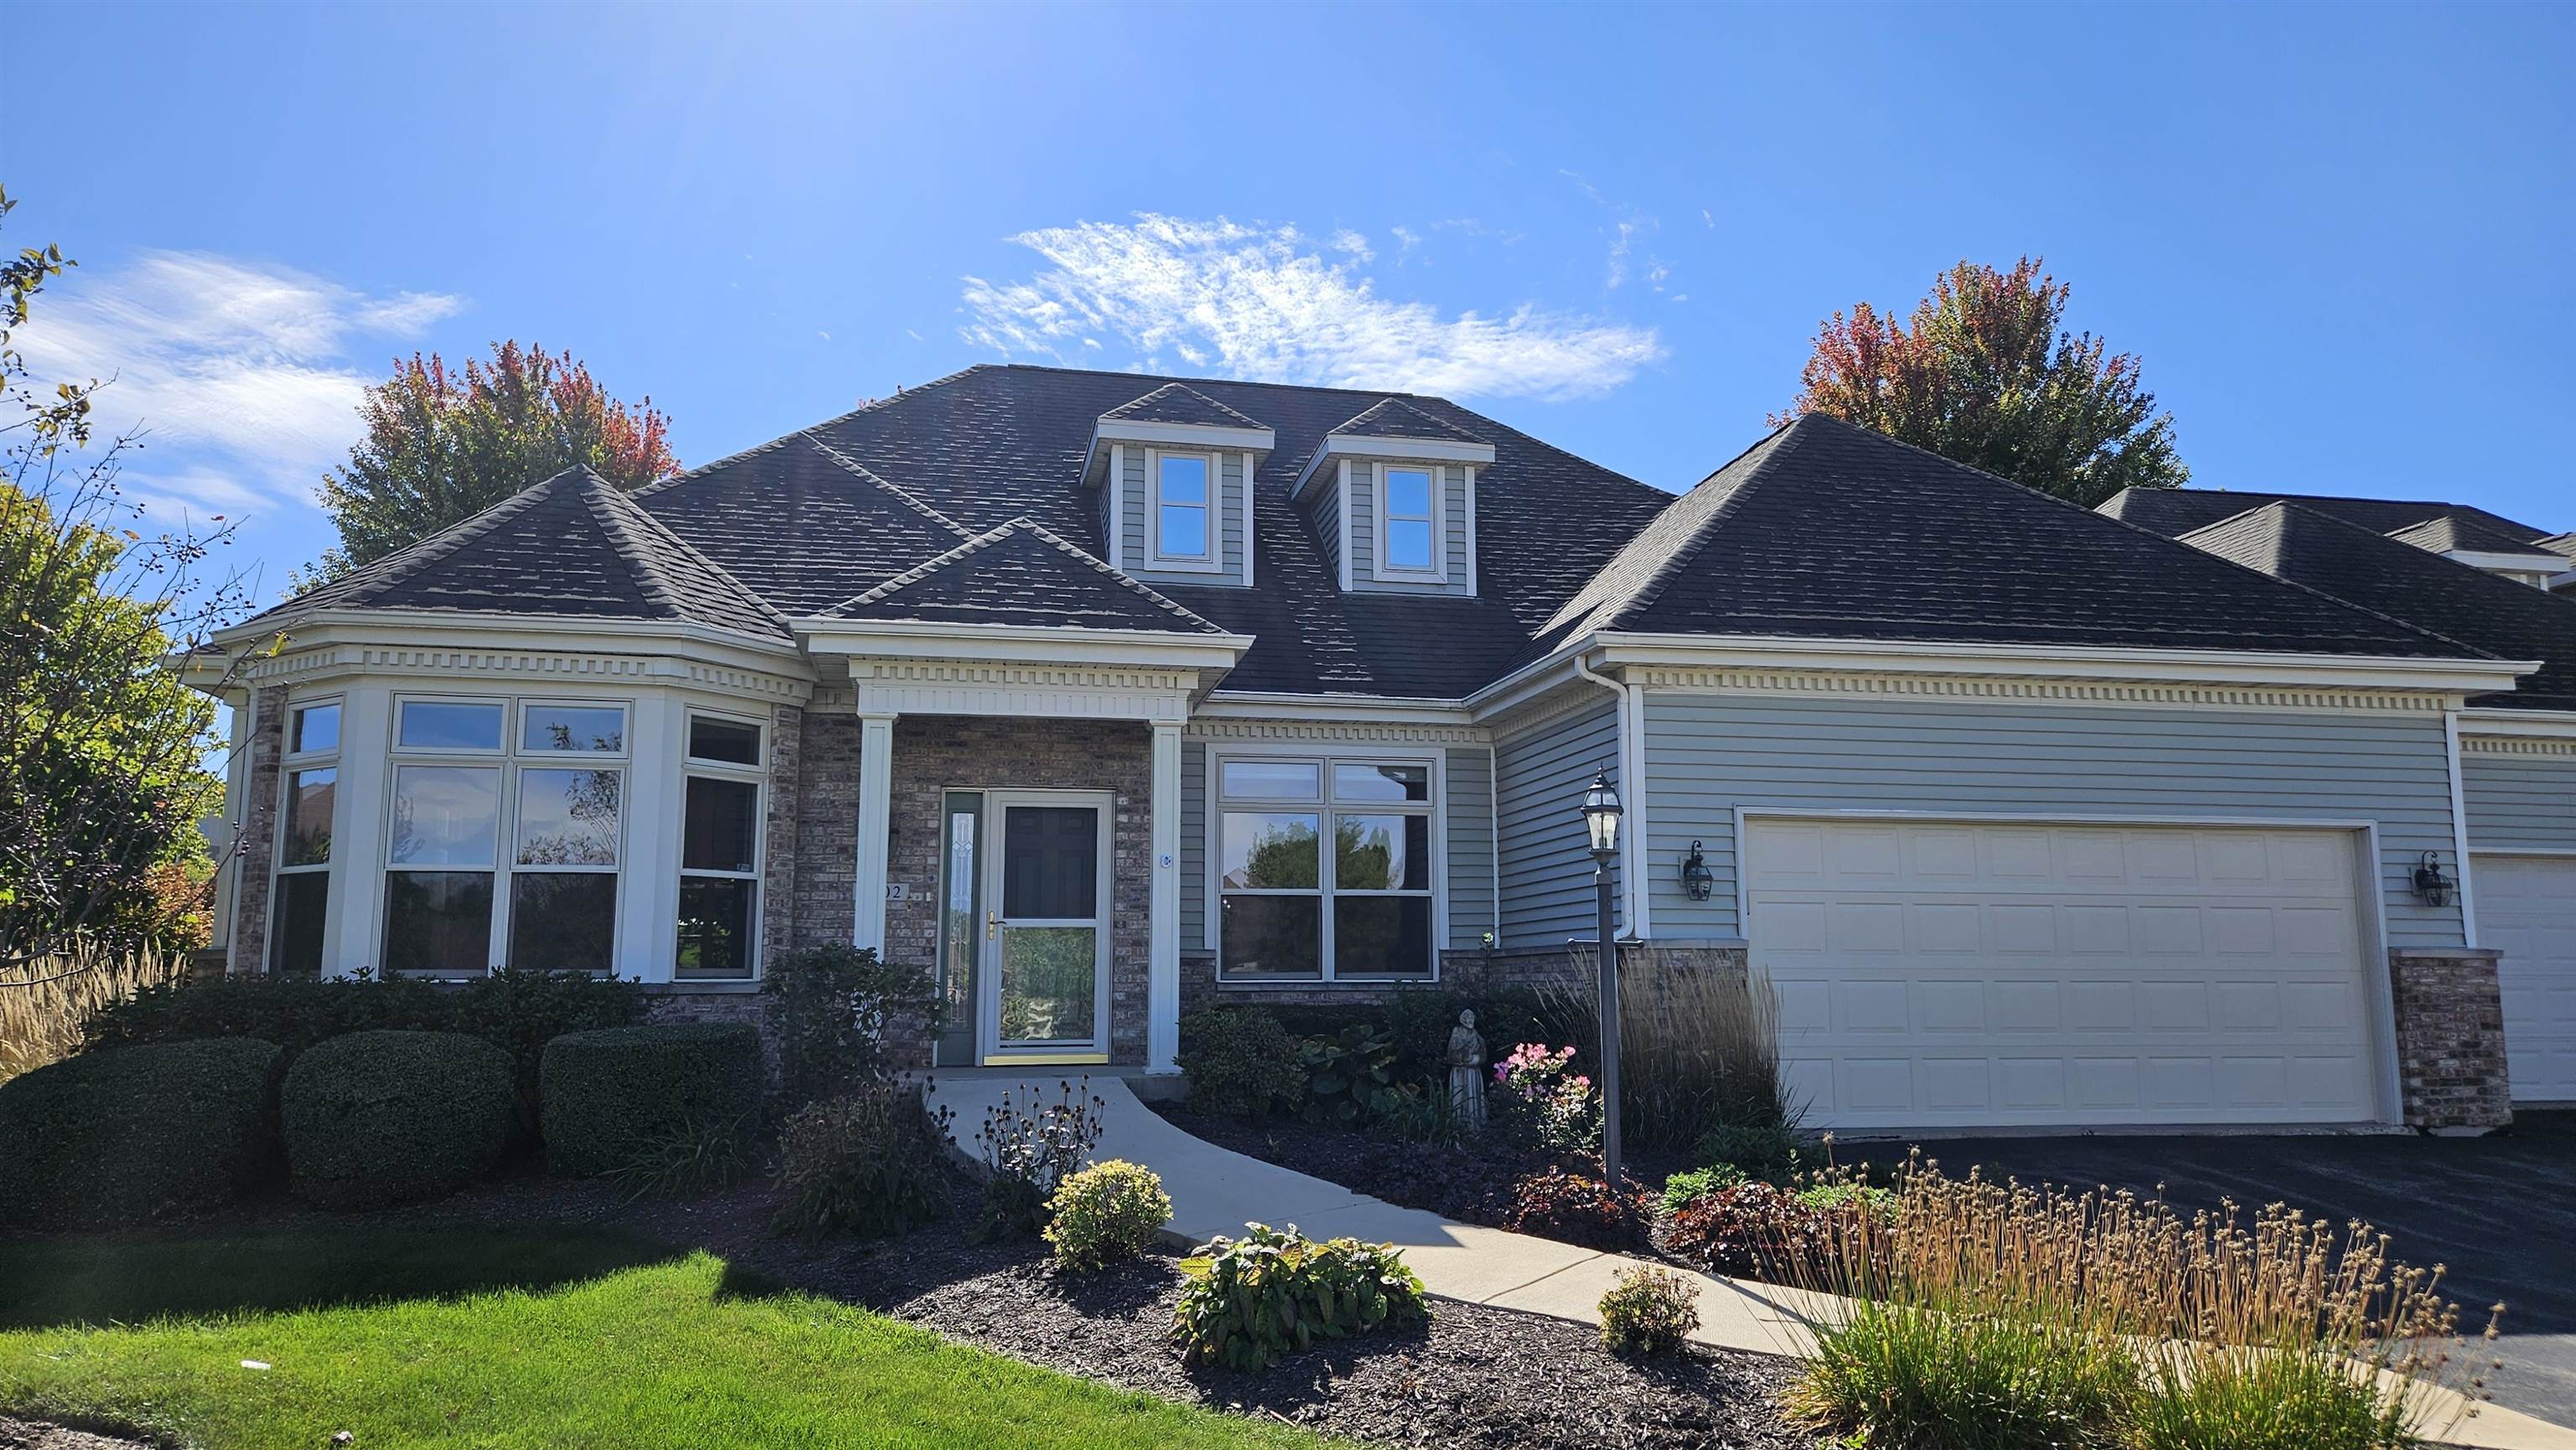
[1767, 1151]
[1351, 1076]
[1573, 1209]
[1541, 1091]
[609, 1095]
[1241, 1063]
[1253, 1299]
[1749, 1230]
[1840, 1195]
[520, 1010]
[1649, 1311]
[692, 1159]
[1699, 1044]
[1031, 1146]
[1683, 1189]
[831, 1008]
[122, 1136]
[380, 1117]
[864, 1163]
[1106, 1212]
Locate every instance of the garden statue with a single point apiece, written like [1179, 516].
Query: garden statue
[1467, 1074]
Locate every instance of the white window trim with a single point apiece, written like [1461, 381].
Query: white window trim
[757, 776]
[508, 761]
[1210, 562]
[1435, 809]
[290, 762]
[1379, 493]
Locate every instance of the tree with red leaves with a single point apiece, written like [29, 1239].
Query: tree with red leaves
[444, 445]
[1985, 375]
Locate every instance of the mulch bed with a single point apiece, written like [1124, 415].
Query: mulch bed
[29, 1435]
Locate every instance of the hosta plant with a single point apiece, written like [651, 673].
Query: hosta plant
[1275, 1292]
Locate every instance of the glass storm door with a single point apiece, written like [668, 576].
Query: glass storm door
[1045, 986]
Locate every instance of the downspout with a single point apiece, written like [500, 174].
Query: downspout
[1628, 882]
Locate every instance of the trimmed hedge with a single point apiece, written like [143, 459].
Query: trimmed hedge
[379, 1117]
[123, 1136]
[611, 1095]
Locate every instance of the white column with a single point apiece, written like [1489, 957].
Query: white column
[648, 873]
[355, 921]
[876, 805]
[1163, 975]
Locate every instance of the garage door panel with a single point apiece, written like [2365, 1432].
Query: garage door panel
[2527, 910]
[2072, 975]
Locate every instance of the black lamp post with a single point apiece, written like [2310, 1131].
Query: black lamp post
[1601, 821]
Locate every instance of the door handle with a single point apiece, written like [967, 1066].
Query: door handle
[992, 925]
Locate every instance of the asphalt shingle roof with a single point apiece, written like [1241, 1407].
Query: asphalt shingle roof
[1395, 418]
[1178, 403]
[1827, 530]
[1020, 574]
[571, 545]
[2173, 512]
[2490, 613]
[2451, 533]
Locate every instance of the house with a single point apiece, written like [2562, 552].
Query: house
[1107, 697]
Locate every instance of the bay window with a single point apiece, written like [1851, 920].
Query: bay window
[1324, 869]
[720, 845]
[301, 908]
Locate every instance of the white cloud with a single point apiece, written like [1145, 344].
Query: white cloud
[244, 371]
[1357, 244]
[1258, 303]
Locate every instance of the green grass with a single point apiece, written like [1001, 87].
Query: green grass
[490, 1336]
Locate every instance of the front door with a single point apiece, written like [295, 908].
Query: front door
[1044, 983]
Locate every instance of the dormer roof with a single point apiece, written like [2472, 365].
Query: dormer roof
[1393, 428]
[2470, 542]
[1022, 576]
[1174, 415]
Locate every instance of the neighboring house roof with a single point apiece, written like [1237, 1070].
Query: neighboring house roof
[572, 545]
[2454, 534]
[2492, 614]
[1179, 403]
[2560, 543]
[2173, 512]
[1024, 576]
[1395, 418]
[1826, 530]
[993, 444]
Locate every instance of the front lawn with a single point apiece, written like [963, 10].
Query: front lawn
[425, 1335]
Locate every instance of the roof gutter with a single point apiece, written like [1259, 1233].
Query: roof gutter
[2445, 675]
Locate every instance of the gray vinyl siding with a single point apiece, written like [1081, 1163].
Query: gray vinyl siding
[1455, 541]
[1538, 792]
[1326, 497]
[1136, 536]
[1706, 755]
[1468, 816]
[1194, 834]
[2520, 802]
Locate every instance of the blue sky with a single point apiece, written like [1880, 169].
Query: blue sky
[2338, 236]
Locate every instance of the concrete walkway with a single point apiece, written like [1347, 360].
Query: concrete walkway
[1217, 1191]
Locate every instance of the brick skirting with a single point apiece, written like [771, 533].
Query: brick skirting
[2450, 1037]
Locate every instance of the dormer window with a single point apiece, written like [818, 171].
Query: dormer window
[1184, 510]
[1408, 521]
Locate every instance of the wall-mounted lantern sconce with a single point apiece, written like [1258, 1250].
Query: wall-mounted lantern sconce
[1697, 880]
[2431, 886]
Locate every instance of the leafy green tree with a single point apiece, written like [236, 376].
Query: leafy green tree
[1987, 375]
[102, 745]
[444, 444]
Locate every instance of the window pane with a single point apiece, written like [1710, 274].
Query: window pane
[1051, 862]
[573, 727]
[1408, 494]
[444, 815]
[719, 834]
[433, 725]
[1382, 853]
[308, 817]
[962, 923]
[295, 924]
[1271, 780]
[1382, 936]
[1274, 936]
[568, 817]
[1271, 851]
[1408, 544]
[317, 727]
[715, 928]
[1185, 479]
[563, 921]
[1382, 782]
[1184, 532]
[1050, 983]
[725, 740]
[438, 922]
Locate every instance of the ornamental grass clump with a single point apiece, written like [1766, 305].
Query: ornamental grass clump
[1995, 1316]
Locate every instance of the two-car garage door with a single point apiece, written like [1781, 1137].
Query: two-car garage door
[1981, 974]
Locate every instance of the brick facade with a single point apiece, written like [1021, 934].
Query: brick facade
[2450, 1038]
[825, 804]
[786, 759]
[257, 847]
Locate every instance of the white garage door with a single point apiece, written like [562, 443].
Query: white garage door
[2527, 908]
[1937, 974]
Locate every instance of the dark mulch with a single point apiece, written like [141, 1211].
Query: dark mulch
[29, 1435]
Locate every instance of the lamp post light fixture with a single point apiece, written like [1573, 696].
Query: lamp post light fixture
[1601, 822]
